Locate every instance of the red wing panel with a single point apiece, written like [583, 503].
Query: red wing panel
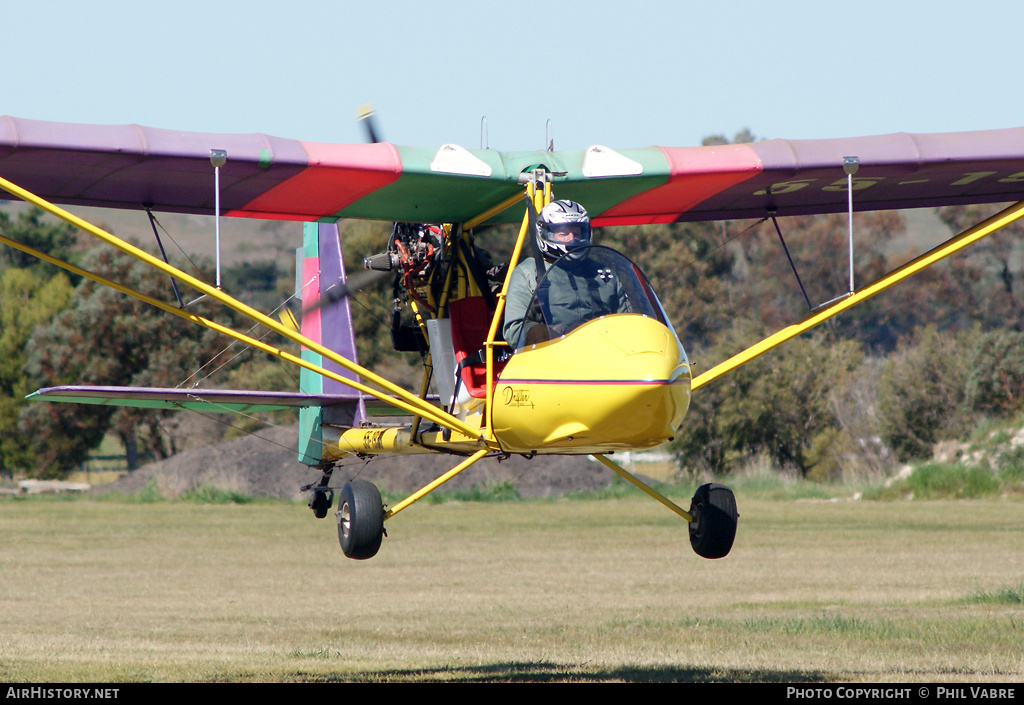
[696, 174]
[337, 176]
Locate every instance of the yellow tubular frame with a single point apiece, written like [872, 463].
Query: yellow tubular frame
[200, 320]
[537, 201]
[650, 491]
[405, 400]
[494, 210]
[488, 345]
[955, 244]
[436, 483]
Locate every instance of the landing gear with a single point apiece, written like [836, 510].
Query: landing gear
[360, 519]
[714, 520]
[320, 501]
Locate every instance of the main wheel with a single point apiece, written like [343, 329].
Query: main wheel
[714, 520]
[360, 519]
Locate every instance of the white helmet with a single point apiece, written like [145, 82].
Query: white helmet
[562, 226]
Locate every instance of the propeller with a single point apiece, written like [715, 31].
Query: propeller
[379, 268]
[341, 290]
[366, 115]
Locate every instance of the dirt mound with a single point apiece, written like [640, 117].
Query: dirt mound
[265, 465]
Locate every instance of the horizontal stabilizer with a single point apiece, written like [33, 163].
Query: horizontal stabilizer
[211, 400]
[207, 400]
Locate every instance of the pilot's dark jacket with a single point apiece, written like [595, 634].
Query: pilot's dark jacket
[575, 291]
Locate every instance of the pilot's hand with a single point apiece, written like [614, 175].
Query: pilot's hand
[537, 334]
[534, 313]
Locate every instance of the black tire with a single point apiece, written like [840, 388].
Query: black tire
[360, 519]
[714, 510]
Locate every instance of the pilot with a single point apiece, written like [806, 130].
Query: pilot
[577, 291]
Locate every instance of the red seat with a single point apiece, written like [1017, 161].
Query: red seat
[471, 319]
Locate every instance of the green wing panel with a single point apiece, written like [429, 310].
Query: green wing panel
[426, 193]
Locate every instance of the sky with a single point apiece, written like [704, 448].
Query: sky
[619, 74]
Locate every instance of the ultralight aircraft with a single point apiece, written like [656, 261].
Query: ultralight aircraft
[620, 381]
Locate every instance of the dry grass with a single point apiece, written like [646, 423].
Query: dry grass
[547, 590]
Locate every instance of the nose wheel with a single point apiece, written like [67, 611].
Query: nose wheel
[320, 501]
[360, 519]
[713, 528]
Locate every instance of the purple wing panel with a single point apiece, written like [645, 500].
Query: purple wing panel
[896, 171]
[129, 166]
[336, 331]
[206, 400]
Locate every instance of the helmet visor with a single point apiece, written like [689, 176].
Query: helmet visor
[565, 233]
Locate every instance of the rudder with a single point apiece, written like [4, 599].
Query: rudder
[319, 264]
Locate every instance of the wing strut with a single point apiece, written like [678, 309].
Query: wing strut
[951, 246]
[241, 337]
[402, 398]
[163, 253]
[850, 165]
[792, 266]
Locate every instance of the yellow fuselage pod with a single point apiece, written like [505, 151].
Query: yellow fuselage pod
[619, 382]
[340, 443]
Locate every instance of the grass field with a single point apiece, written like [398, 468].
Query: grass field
[559, 590]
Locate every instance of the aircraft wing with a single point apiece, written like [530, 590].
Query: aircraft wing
[128, 166]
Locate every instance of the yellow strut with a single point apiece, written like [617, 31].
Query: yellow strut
[200, 320]
[968, 237]
[492, 211]
[628, 477]
[417, 405]
[436, 483]
[536, 201]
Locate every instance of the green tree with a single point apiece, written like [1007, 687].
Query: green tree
[259, 284]
[775, 405]
[995, 384]
[744, 136]
[27, 299]
[107, 338]
[921, 392]
[32, 229]
[767, 289]
[992, 293]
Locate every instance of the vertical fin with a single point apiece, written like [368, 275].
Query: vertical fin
[319, 265]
